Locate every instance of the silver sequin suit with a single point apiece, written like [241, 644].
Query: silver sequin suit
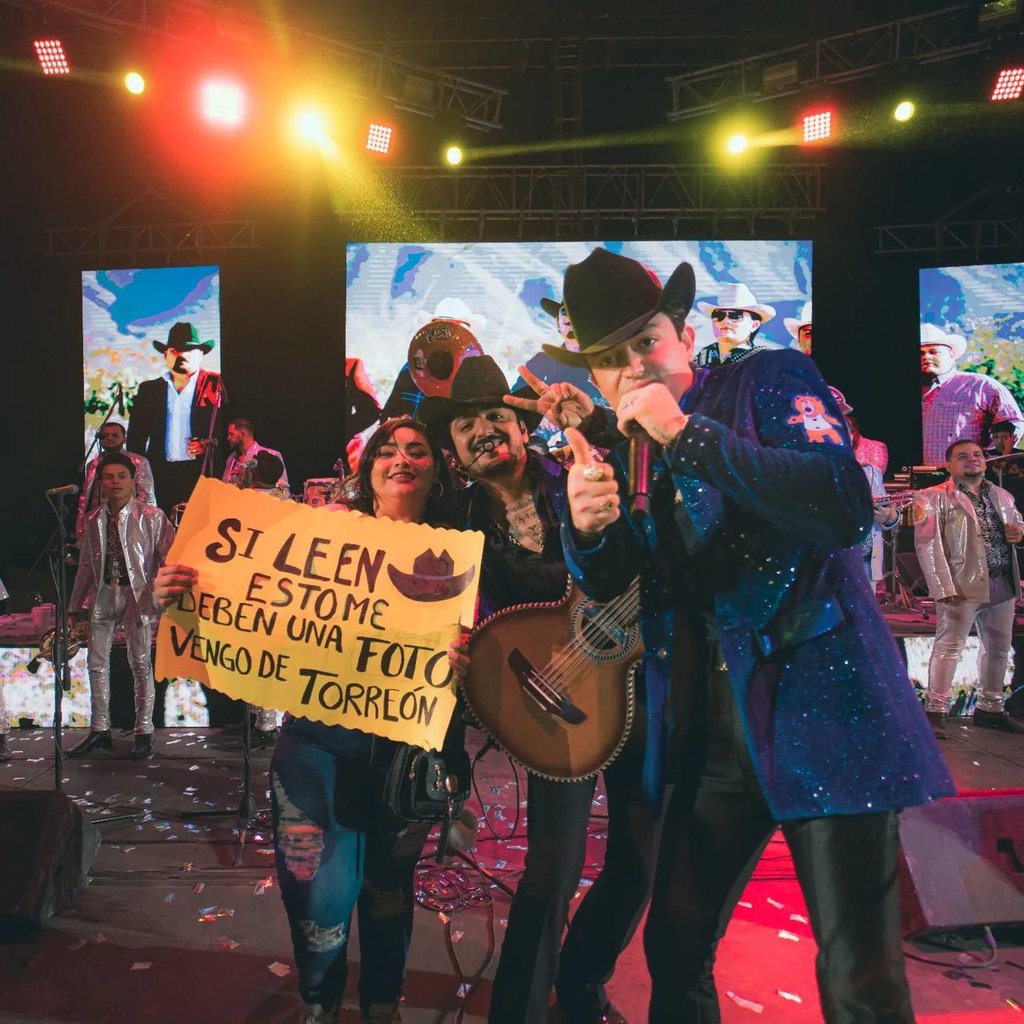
[146, 536]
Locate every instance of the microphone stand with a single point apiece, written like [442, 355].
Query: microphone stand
[58, 551]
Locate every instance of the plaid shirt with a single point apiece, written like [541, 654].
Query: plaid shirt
[963, 406]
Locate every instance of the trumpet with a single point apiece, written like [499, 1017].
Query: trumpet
[77, 636]
[899, 500]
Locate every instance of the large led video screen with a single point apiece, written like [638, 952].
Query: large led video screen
[508, 295]
[972, 355]
[127, 320]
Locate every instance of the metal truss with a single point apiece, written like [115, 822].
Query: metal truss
[941, 35]
[152, 225]
[584, 200]
[153, 239]
[969, 236]
[410, 86]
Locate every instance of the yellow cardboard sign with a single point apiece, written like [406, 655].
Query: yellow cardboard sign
[330, 615]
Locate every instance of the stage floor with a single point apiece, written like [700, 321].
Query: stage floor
[134, 946]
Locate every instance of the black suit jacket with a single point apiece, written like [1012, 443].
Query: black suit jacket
[147, 423]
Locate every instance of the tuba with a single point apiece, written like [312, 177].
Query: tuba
[436, 353]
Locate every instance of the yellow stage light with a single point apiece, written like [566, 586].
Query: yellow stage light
[904, 111]
[453, 155]
[737, 143]
[134, 83]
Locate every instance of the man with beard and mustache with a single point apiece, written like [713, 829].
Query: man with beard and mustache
[516, 498]
[965, 535]
[171, 416]
[958, 406]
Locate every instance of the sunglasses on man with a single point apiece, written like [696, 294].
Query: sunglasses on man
[729, 314]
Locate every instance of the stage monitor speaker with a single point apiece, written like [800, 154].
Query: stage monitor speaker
[46, 852]
[962, 863]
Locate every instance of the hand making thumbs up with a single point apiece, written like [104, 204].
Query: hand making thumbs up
[592, 489]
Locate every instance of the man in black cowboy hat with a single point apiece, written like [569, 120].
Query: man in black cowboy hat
[767, 662]
[516, 498]
[172, 416]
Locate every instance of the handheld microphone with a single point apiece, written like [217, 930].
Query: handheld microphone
[62, 492]
[640, 445]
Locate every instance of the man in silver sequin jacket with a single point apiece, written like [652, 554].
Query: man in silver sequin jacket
[123, 545]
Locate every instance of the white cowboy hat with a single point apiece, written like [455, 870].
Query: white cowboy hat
[931, 335]
[737, 296]
[455, 309]
[793, 324]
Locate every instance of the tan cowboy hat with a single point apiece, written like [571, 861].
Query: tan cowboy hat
[793, 324]
[932, 335]
[737, 296]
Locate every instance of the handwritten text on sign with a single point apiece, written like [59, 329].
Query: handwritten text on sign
[330, 615]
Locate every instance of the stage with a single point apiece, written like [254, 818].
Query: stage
[171, 927]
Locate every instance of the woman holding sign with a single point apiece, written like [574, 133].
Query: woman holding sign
[337, 846]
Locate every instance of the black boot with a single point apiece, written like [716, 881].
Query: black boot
[94, 740]
[5, 751]
[997, 720]
[143, 746]
[938, 723]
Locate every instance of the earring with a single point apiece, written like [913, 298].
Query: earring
[436, 493]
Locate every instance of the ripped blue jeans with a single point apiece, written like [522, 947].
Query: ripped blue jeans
[338, 849]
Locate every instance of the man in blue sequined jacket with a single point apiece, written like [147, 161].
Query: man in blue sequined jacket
[775, 692]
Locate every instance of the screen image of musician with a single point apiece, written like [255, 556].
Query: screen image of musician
[151, 362]
[972, 355]
[414, 311]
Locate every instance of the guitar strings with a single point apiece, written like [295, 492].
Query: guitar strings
[561, 670]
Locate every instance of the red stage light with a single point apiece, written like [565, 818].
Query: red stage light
[50, 54]
[1009, 84]
[378, 138]
[222, 103]
[817, 126]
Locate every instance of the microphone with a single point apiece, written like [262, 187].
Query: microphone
[640, 445]
[485, 449]
[62, 492]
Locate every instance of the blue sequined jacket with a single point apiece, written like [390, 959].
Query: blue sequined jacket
[759, 511]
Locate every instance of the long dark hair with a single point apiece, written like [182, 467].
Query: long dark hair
[357, 489]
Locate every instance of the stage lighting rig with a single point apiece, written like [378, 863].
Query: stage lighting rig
[51, 57]
[453, 155]
[737, 143]
[904, 110]
[1008, 84]
[222, 103]
[818, 125]
[378, 138]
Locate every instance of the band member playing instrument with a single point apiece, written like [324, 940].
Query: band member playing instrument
[123, 545]
[966, 537]
[515, 498]
[801, 713]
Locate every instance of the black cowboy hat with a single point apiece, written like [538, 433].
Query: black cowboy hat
[551, 307]
[478, 384]
[609, 298]
[181, 337]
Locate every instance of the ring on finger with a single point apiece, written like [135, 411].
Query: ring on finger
[593, 472]
[607, 505]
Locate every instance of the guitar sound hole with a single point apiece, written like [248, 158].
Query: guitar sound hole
[602, 637]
